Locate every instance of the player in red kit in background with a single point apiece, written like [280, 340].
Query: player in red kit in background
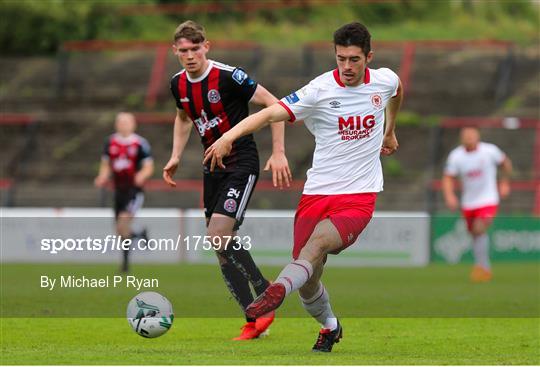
[127, 158]
[346, 110]
[475, 164]
[214, 97]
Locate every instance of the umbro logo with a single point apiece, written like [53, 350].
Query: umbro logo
[184, 100]
[335, 104]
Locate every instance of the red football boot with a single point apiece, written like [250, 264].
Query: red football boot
[263, 323]
[249, 331]
[268, 301]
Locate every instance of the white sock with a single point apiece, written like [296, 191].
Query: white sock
[295, 275]
[481, 251]
[319, 307]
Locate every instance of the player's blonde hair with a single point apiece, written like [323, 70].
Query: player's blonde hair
[190, 30]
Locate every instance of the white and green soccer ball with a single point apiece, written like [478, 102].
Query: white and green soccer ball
[150, 314]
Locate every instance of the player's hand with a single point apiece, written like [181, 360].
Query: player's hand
[100, 181]
[169, 170]
[280, 170]
[390, 144]
[217, 151]
[504, 189]
[452, 202]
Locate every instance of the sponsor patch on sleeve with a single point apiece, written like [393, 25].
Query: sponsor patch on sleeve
[239, 75]
[292, 98]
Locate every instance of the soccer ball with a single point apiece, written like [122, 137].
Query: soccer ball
[150, 314]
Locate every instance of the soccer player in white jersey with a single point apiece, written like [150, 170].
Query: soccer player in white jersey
[475, 164]
[346, 110]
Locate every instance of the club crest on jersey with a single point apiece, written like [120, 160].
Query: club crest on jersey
[292, 98]
[239, 75]
[376, 100]
[213, 96]
[230, 205]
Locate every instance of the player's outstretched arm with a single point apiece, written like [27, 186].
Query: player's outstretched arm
[277, 162]
[506, 173]
[182, 129]
[390, 143]
[222, 147]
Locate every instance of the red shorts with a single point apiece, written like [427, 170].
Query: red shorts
[350, 214]
[484, 213]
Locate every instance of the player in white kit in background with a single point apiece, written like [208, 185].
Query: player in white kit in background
[475, 164]
[346, 110]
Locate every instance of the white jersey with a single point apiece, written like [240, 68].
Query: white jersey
[348, 125]
[477, 170]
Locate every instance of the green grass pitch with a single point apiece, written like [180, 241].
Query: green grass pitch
[429, 315]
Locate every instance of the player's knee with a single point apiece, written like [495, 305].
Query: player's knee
[318, 245]
[479, 227]
[219, 237]
[123, 225]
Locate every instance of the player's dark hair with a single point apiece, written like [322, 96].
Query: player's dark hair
[353, 34]
[190, 30]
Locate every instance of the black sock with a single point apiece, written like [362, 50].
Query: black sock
[238, 286]
[141, 234]
[243, 261]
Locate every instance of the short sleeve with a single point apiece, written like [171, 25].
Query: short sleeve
[243, 85]
[496, 153]
[174, 91]
[145, 152]
[300, 104]
[451, 166]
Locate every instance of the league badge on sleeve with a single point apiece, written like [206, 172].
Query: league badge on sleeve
[239, 75]
[292, 98]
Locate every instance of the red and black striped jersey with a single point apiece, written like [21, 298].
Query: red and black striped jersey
[216, 101]
[125, 156]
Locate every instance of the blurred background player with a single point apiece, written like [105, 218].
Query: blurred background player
[341, 188]
[475, 164]
[214, 97]
[127, 157]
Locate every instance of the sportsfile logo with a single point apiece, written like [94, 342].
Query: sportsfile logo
[355, 127]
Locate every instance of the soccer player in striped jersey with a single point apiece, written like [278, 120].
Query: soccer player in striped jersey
[126, 156]
[214, 97]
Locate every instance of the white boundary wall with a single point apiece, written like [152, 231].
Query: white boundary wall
[391, 238]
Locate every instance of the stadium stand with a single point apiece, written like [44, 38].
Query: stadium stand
[76, 97]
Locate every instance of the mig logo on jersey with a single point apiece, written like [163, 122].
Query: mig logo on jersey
[355, 127]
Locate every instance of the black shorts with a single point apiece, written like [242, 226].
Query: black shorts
[128, 200]
[228, 193]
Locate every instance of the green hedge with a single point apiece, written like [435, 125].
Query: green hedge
[40, 26]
